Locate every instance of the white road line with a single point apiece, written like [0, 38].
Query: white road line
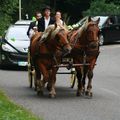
[110, 91]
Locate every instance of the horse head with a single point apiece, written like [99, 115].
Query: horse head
[57, 37]
[92, 29]
[88, 33]
[62, 41]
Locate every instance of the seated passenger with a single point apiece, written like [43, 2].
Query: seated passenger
[33, 25]
[60, 24]
[59, 21]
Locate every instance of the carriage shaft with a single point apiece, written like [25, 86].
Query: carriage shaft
[73, 65]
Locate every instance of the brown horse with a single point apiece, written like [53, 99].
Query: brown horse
[43, 53]
[85, 46]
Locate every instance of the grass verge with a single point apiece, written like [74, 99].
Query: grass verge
[11, 111]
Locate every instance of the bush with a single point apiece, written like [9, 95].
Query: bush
[100, 7]
[7, 9]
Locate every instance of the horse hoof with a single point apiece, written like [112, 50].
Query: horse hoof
[83, 93]
[79, 94]
[88, 94]
[91, 94]
[52, 96]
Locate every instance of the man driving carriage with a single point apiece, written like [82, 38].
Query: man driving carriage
[46, 20]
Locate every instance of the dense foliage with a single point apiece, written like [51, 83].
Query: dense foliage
[7, 11]
[101, 7]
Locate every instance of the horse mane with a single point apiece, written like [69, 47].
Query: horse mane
[83, 28]
[47, 32]
[54, 33]
[50, 32]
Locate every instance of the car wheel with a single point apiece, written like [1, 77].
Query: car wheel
[1, 66]
[0, 63]
[101, 40]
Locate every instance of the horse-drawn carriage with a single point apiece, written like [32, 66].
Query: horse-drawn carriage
[55, 48]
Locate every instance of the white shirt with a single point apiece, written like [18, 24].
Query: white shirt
[47, 22]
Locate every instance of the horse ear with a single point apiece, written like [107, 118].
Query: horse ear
[89, 19]
[98, 20]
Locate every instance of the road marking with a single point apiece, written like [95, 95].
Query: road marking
[109, 91]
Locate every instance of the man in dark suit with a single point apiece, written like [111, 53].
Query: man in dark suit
[46, 20]
[33, 25]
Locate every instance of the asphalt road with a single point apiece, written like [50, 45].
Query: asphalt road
[105, 104]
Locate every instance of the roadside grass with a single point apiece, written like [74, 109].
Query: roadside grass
[11, 111]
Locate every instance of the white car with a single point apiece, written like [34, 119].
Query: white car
[14, 46]
[23, 22]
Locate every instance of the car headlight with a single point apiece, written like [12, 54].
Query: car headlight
[8, 48]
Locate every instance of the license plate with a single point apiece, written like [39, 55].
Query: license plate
[22, 63]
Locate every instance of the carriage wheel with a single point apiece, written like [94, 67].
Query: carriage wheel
[73, 78]
[30, 76]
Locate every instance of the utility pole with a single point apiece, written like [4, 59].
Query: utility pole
[19, 9]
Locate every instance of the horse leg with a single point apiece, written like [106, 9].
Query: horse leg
[36, 73]
[49, 84]
[37, 81]
[90, 76]
[89, 86]
[52, 92]
[84, 73]
[80, 87]
[41, 83]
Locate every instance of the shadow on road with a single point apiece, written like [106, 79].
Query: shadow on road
[13, 68]
[62, 93]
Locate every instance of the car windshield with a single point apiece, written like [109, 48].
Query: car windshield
[17, 33]
[102, 20]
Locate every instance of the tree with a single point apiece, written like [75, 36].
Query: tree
[7, 9]
[30, 6]
[73, 8]
[102, 7]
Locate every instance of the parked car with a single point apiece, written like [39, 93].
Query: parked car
[109, 28]
[23, 22]
[14, 46]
